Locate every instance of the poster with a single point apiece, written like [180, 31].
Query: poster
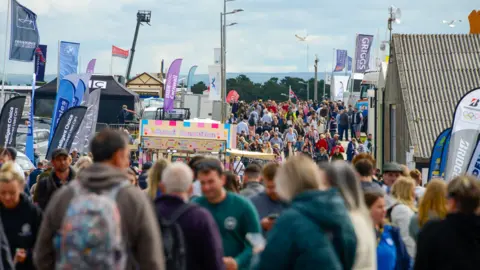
[339, 87]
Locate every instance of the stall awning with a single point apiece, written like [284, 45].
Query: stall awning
[247, 154]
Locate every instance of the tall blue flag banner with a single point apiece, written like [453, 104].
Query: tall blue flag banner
[341, 60]
[66, 129]
[82, 86]
[443, 162]
[40, 62]
[474, 168]
[437, 154]
[63, 101]
[190, 77]
[362, 53]
[465, 133]
[29, 150]
[9, 120]
[24, 36]
[67, 58]
[349, 65]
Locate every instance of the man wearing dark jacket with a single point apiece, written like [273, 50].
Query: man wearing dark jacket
[139, 225]
[61, 175]
[251, 178]
[202, 237]
[142, 179]
[343, 125]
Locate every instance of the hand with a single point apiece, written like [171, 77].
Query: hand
[267, 223]
[230, 263]
[474, 19]
[20, 255]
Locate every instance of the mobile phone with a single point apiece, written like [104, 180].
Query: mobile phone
[256, 240]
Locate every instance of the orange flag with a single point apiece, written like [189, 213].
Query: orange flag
[474, 19]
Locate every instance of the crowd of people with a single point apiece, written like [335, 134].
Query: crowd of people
[297, 214]
[312, 128]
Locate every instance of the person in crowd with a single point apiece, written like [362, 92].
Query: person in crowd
[197, 187]
[322, 142]
[391, 172]
[453, 243]
[276, 140]
[136, 214]
[242, 127]
[392, 253]
[235, 215]
[19, 217]
[291, 136]
[352, 149]
[251, 180]
[267, 148]
[61, 175]
[268, 204]
[366, 170]
[341, 175]
[322, 156]
[232, 183]
[368, 144]
[32, 178]
[123, 115]
[299, 144]
[143, 177]
[82, 163]
[315, 231]
[239, 167]
[9, 154]
[337, 155]
[433, 205]
[357, 118]
[155, 178]
[403, 209]
[75, 156]
[343, 124]
[201, 234]
[333, 126]
[307, 148]
[419, 190]
[132, 177]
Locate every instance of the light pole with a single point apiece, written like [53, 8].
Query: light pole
[305, 39]
[223, 45]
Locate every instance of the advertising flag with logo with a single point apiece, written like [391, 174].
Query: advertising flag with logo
[40, 62]
[87, 128]
[118, 52]
[362, 53]
[68, 58]
[465, 134]
[9, 120]
[91, 66]
[341, 60]
[66, 129]
[474, 168]
[191, 73]
[24, 36]
[171, 84]
[215, 77]
[63, 101]
[437, 153]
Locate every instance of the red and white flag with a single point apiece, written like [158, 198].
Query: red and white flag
[116, 51]
[291, 94]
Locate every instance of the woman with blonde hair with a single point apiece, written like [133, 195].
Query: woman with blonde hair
[403, 209]
[416, 175]
[342, 176]
[433, 205]
[82, 163]
[315, 231]
[155, 177]
[20, 219]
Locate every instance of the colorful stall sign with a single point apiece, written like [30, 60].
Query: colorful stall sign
[182, 144]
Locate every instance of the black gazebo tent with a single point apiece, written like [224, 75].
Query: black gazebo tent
[113, 96]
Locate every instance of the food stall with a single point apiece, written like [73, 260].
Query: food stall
[180, 140]
[247, 157]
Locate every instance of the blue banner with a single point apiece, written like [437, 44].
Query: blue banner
[29, 147]
[63, 101]
[24, 36]
[341, 60]
[68, 58]
[82, 85]
[40, 63]
[437, 154]
[349, 64]
[190, 77]
[443, 162]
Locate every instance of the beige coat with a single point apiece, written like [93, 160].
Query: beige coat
[366, 255]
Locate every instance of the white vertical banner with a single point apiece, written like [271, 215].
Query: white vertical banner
[215, 79]
[217, 52]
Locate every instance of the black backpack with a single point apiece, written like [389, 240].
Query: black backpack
[174, 245]
[251, 120]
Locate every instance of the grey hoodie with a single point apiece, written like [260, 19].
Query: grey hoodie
[139, 223]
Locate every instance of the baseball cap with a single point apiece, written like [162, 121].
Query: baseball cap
[59, 152]
[392, 167]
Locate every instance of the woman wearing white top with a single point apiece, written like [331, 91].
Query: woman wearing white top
[342, 176]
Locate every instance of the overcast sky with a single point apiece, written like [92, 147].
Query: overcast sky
[263, 40]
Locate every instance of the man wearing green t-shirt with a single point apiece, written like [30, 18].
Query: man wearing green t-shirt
[234, 215]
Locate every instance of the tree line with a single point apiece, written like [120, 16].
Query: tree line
[274, 89]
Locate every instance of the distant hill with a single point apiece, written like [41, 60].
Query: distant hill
[23, 79]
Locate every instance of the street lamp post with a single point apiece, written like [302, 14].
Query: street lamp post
[305, 39]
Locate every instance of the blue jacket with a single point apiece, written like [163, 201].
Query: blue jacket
[314, 232]
[403, 261]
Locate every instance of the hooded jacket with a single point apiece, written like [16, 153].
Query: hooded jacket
[139, 224]
[454, 243]
[48, 184]
[315, 232]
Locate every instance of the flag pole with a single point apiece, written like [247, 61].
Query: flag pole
[111, 63]
[58, 67]
[6, 56]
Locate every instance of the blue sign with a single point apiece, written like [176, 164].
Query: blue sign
[68, 58]
[63, 101]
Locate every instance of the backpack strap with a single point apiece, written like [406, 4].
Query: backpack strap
[177, 214]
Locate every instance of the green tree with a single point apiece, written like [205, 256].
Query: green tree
[199, 87]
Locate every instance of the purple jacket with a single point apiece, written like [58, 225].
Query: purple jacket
[202, 237]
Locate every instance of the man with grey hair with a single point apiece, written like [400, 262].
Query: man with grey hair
[201, 235]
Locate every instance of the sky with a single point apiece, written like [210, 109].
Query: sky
[263, 41]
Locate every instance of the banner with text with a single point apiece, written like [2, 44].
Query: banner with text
[362, 53]
[341, 60]
[40, 62]
[9, 120]
[24, 36]
[437, 152]
[465, 132]
[215, 78]
[171, 84]
[474, 168]
[29, 143]
[89, 123]
[66, 129]
[63, 101]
